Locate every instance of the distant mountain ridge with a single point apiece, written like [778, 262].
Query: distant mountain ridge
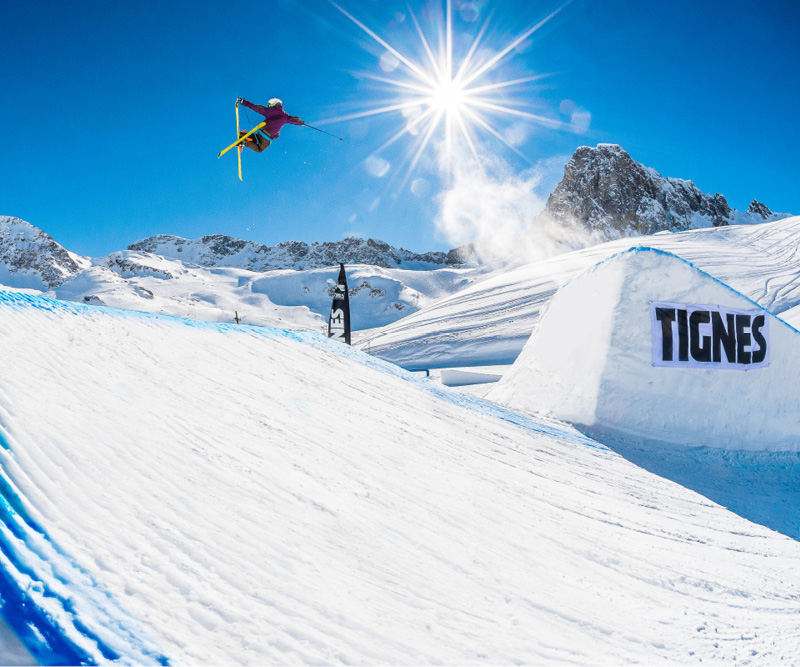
[608, 194]
[221, 278]
[219, 250]
[604, 195]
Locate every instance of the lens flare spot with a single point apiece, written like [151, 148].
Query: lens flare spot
[567, 107]
[581, 120]
[469, 12]
[376, 166]
[517, 134]
[389, 62]
[420, 187]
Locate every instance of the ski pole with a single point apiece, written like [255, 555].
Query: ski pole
[323, 131]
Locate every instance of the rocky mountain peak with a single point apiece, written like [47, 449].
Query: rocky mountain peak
[605, 190]
[759, 209]
[605, 194]
[32, 259]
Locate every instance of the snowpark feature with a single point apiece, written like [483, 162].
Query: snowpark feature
[489, 321]
[186, 492]
[616, 352]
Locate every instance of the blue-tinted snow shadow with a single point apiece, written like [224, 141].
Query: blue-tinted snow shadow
[763, 487]
[50, 632]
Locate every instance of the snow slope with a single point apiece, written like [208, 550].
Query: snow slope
[377, 296]
[490, 321]
[150, 283]
[289, 299]
[183, 492]
[590, 361]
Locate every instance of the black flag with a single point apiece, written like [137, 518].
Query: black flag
[339, 321]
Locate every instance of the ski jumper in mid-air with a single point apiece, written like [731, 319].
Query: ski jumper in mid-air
[274, 119]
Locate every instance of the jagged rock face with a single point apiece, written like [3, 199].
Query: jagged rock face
[129, 264]
[32, 258]
[759, 209]
[605, 190]
[221, 250]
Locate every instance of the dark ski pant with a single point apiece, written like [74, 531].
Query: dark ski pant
[259, 144]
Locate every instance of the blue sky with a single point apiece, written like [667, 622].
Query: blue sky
[112, 114]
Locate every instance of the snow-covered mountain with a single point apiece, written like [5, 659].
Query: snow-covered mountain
[221, 250]
[607, 195]
[287, 298]
[378, 296]
[30, 258]
[154, 284]
[219, 286]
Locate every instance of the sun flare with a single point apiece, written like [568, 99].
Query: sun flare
[448, 91]
[448, 97]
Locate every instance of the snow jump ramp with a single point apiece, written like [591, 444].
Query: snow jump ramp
[645, 344]
[179, 492]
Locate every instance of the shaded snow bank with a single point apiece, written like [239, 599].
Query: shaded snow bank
[595, 359]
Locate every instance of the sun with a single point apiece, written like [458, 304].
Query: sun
[449, 97]
[445, 95]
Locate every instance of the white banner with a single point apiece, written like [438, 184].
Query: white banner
[692, 336]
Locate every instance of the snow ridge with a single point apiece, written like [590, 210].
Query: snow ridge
[219, 250]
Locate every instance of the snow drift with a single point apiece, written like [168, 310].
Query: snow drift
[646, 344]
[191, 493]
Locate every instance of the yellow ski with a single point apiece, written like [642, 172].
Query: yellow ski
[241, 139]
[241, 148]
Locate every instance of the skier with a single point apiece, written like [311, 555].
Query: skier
[274, 117]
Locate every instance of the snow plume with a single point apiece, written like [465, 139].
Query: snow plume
[493, 207]
[549, 235]
[489, 205]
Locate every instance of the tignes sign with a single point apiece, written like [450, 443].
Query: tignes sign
[687, 336]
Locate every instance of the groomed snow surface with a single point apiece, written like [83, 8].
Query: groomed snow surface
[191, 493]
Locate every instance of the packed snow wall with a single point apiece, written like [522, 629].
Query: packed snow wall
[646, 344]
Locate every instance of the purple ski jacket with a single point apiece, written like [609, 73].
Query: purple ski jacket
[275, 117]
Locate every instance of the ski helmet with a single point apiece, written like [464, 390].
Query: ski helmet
[274, 102]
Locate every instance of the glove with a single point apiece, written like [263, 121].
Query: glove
[239, 100]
